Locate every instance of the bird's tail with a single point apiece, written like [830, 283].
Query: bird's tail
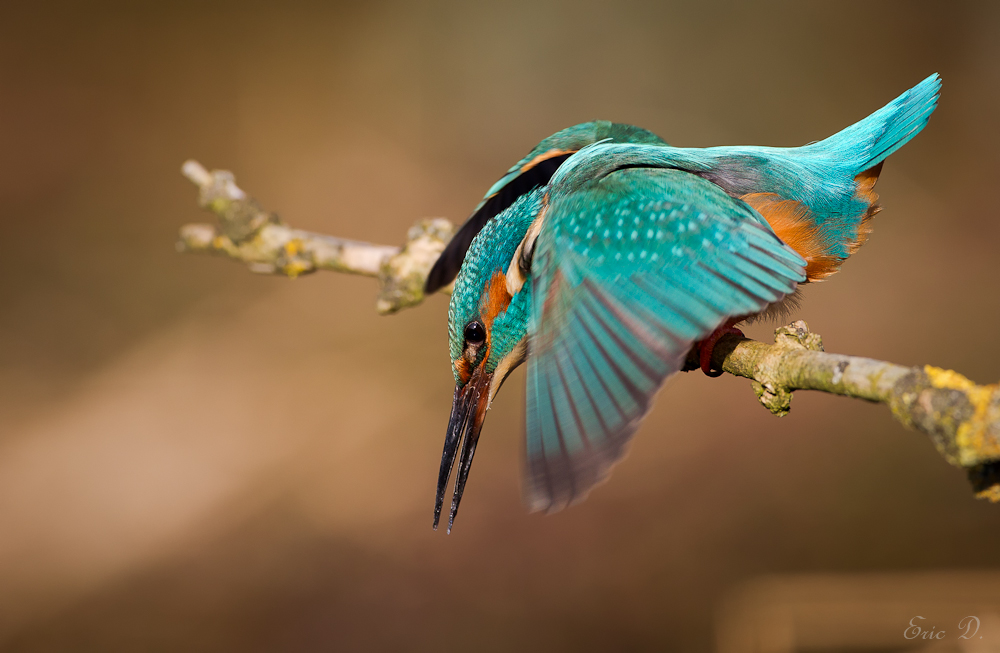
[868, 142]
[822, 203]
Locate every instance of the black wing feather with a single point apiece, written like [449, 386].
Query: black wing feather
[450, 262]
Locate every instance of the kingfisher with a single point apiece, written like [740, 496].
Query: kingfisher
[605, 256]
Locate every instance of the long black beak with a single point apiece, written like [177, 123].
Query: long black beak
[468, 412]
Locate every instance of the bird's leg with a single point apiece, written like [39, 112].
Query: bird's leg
[707, 346]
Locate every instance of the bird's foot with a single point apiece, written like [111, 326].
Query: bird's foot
[707, 346]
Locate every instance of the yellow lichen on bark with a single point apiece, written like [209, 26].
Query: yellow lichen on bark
[991, 494]
[973, 435]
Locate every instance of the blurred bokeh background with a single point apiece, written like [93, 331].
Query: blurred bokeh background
[196, 458]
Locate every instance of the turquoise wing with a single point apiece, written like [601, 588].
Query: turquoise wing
[832, 179]
[628, 272]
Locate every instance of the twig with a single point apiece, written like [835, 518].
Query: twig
[248, 233]
[961, 418]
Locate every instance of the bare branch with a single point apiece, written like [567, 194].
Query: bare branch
[248, 233]
[961, 418]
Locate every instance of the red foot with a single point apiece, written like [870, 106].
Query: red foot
[707, 346]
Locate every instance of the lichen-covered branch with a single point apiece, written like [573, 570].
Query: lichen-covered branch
[248, 233]
[961, 418]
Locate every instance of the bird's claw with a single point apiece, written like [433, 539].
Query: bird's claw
[707, 346]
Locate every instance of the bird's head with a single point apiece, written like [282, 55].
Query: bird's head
[487, 323]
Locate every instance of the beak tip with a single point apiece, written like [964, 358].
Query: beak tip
[467, 414]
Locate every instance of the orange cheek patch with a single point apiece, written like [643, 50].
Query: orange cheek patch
[795, 225]
[462, 367]
[495, 299]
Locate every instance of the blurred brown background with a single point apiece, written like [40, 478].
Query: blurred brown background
[196, 458]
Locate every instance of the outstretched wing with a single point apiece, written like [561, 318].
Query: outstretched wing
[628, 272]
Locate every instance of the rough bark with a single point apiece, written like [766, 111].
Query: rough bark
[248, 233]
[961, 417]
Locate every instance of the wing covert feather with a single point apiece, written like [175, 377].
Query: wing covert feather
[629, 272]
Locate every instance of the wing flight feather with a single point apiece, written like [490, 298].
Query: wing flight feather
[629, 272]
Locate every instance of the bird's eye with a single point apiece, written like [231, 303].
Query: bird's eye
[475, 333]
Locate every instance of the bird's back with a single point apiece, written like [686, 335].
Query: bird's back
[819, 198]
